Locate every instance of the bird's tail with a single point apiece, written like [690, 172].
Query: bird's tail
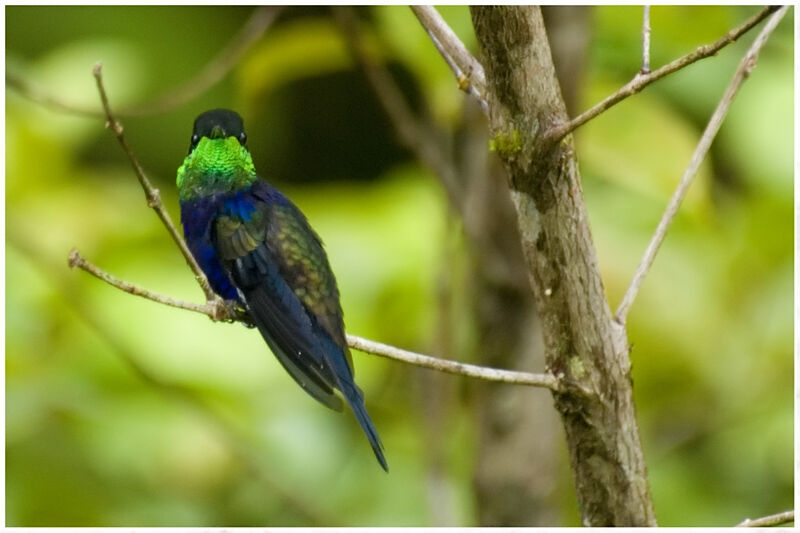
[355, 399]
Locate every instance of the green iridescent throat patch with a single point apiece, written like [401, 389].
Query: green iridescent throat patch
[215, 165]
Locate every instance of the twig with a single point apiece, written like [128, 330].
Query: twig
[76, 260]
[211, 73]
[645, 41]
[453, 367]
[467, 69]
[766, 521]
[436, 27]
[746, 65]
[357, 343]
[151, 193]
[640, 81]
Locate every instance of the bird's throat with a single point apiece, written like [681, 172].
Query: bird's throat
[215, 166]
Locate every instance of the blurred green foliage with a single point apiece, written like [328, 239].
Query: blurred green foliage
[223, 437]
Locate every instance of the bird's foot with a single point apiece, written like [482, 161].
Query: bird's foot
[229, 311]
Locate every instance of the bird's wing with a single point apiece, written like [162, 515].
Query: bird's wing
[304, 265]
[278, 263]
[240, 233]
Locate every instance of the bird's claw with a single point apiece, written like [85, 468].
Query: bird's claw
[229, 311]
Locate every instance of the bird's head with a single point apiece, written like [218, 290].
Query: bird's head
[218, 159]
[218, 124]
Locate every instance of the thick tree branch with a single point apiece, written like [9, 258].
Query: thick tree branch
[151, 193]
[640, 81]
[581, 339]
[216, 69]
[768, 521]
[214, 312]
[467, 69]
[746, 65]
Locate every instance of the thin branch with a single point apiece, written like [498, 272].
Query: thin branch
[645, 41]
[357, 343]
[216, 69]
[777, 519]
[151, 193]
[453, 367]
[450, 46]
[746, 65]
[76, 260]
[640, 81]
[437, 28]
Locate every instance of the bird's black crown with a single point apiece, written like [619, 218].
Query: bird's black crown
[218, 123]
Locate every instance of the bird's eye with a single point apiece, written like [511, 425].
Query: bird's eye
[242, 138]
[195, 139]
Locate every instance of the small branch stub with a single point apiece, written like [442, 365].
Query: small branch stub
[645, 41]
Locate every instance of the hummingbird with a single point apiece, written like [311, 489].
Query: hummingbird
[261, 255]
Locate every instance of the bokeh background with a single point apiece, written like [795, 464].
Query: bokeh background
[122, 412]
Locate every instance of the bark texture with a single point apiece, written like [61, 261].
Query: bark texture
[583, 345]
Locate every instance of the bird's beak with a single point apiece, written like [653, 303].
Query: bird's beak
[217, 133]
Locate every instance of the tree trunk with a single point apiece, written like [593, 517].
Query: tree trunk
[584, 347]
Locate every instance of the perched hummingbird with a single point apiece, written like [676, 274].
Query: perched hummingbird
[259, 252]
